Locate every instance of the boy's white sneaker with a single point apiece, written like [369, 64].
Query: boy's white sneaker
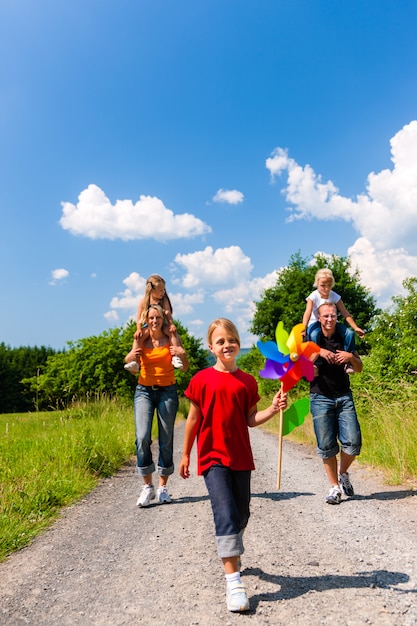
[236, 598]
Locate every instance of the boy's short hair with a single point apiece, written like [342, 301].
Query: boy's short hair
[227, 325]
[324, 273]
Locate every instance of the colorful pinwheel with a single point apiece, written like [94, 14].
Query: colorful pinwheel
[288, 359]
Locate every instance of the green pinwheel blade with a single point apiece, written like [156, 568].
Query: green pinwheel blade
[281, 336]
[294, 416]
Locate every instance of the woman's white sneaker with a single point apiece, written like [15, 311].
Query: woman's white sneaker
[163, 495]
[146, 495]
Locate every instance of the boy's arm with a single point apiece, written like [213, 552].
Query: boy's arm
[191, 429]
[255, 417]
[343, 311]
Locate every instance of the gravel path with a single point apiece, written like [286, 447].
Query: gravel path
[107, 563]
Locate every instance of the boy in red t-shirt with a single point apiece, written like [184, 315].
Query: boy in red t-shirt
[223, 404]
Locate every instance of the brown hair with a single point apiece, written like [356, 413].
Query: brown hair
[154, 282]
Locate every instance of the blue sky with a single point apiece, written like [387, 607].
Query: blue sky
[203, 140]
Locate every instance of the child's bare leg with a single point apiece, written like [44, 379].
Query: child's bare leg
[231, 564]
[173, 338]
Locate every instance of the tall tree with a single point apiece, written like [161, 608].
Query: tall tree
[286, 300]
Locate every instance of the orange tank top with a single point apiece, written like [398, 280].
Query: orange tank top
[156, 367]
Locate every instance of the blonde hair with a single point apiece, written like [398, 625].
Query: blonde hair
[157, 308]
[228, 326]
[324, 273]
[154, 282]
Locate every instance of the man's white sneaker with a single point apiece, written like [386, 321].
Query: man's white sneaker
[132, 367]
[177, 362]
[334, 496]
[346, 485]
[163, 495]
[146, 495]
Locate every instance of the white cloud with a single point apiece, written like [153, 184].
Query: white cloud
[230, 196]
[128, 299]
[95, 217]
[208, 267]
[384, 215]
[58, 275]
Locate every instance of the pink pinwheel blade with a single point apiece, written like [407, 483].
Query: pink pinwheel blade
[306, 368]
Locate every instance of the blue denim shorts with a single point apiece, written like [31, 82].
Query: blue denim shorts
[335, 421]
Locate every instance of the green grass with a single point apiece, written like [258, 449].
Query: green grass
[50, 460]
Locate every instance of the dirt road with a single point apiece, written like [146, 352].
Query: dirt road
[108, 563]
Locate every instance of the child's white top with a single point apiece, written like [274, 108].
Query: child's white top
[318, 300]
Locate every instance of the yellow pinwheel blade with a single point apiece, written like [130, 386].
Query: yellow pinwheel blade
[295, 339]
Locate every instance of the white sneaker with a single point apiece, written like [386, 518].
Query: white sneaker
[132, 367]
[236, 598]
[334, 496]
[177, 362]
[163, 495]
[146, 495]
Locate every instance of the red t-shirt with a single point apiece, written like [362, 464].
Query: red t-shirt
[224, 399]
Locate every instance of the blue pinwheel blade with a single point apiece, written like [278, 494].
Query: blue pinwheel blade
[273, 370]
[270, 351]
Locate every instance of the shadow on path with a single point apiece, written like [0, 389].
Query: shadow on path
[290, 587]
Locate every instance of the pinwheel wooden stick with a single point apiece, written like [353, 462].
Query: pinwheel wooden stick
[281, 423]
[288, 360]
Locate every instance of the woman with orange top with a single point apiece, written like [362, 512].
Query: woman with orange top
[156, 390]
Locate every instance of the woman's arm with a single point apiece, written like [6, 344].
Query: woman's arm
[191, 429]
[179, 351]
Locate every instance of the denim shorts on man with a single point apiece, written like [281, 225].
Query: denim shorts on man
[335, 420]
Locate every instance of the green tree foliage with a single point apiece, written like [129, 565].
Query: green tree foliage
[286, 300]
[15, 363]
[393, 339]
[94, 366]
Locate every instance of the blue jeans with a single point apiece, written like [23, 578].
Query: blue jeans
[347, 334]
[229, 492]
[335, 419]
[165, 401]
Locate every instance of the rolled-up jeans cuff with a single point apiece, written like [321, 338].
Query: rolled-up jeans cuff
[145, 471]
[165, 471]
[230, 545]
